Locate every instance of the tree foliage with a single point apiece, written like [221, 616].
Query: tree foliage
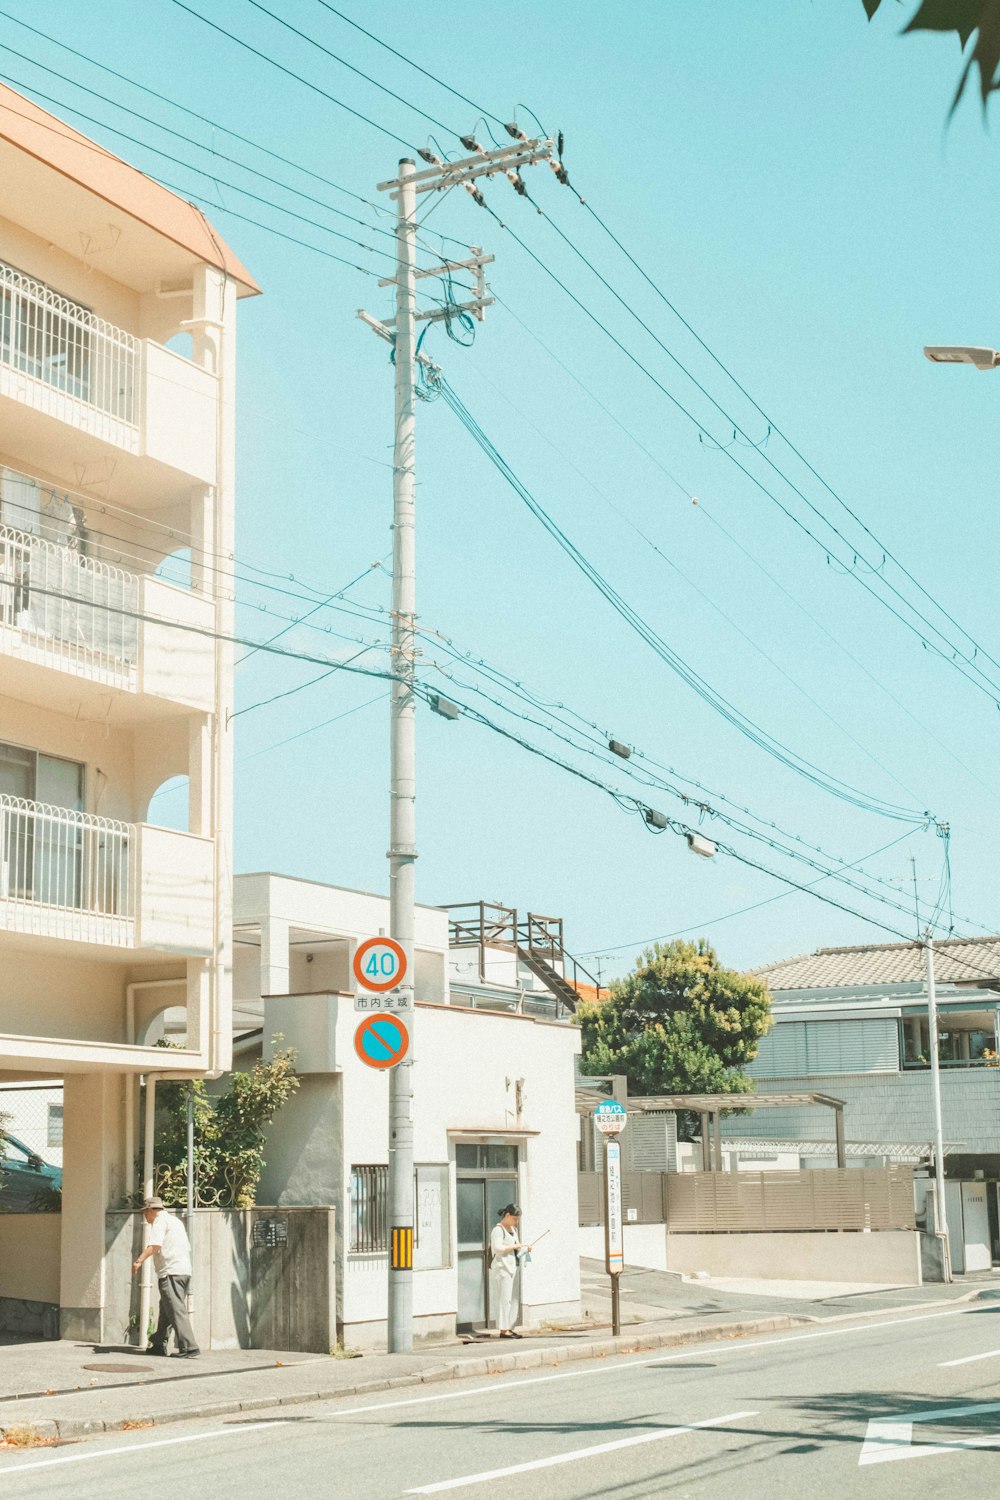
[977, 21]
[229, 1134]
[680, 1024]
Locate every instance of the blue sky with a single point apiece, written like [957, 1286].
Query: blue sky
[786, 175]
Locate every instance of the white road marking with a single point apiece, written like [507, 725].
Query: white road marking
[697, 1351]
[577, 1454]
[80, 1458]
[889, 1439]
[970, 1359]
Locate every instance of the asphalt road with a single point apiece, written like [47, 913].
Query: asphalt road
[899, 1404]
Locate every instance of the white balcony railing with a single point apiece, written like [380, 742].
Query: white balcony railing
[66, 874]
[69, 610]
[56, 341]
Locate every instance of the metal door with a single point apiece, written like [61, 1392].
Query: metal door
[479, 1200]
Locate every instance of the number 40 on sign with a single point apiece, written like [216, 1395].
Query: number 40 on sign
[380, 964]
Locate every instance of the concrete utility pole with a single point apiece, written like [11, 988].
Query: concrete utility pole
[940, 1216]
[402, 794]
[400, 331]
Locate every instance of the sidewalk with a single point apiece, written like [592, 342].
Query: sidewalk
[65, 1390]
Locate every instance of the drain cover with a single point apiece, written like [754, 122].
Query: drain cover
[120, 1369]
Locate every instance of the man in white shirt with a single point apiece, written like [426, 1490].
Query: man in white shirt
[505, 1244]
[171, 1251]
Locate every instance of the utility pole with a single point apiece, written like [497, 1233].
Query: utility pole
[400, 331]
[940, 1216]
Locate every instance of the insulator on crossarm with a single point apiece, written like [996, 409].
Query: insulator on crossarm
[471, 144]
[429, 157]
[561, 174]
[517, 183]
[515, 130]
[474, 194]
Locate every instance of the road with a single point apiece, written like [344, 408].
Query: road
[896, 1405]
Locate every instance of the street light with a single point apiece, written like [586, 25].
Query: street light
[962, 354]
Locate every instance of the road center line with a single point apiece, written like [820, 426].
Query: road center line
[80, 1458]
[970, 1359]
[577, 1454]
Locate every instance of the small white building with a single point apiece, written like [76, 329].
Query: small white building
[494, 1117]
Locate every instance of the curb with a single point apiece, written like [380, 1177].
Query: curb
[64, 1428]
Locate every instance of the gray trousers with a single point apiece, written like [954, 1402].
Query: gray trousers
[173, 1314]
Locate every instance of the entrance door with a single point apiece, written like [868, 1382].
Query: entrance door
[472, 1293]
[486, 1181]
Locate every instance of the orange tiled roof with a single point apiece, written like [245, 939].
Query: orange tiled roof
[50, 140]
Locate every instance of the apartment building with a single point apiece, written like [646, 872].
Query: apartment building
[118, 309]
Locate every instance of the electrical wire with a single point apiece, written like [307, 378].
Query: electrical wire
[986, 686]
[344, 63]
[791, 759]
[247, 46]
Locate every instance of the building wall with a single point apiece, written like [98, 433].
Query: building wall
[888, 1107]
[466, 1070]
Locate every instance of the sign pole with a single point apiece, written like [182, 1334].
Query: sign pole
[611, 1119]
[614, 1257]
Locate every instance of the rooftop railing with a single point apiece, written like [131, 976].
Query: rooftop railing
[64, 345]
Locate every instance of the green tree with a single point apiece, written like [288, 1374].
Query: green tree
[680, 1024]
[229, 1134]
[971, 21]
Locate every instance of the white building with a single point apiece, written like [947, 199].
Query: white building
[116, 451]
[494, 1116]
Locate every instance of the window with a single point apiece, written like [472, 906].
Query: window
[369, 1215]
[486, 1158]
[54, 1133]
[965, 1040]
[370, 1210]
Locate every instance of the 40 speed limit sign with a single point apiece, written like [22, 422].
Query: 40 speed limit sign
[380, 964]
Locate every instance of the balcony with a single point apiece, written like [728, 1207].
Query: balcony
[60, 360]
[60, 609]
[86, 879]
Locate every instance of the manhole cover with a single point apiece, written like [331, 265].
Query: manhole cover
[119, 1369]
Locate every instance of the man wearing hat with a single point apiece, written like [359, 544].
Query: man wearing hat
[504, 1247]
[171, 1251]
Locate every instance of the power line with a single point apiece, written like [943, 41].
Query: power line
[990, 689]
[297, 76]
[410, 63]
[344, 63]
[729, 915]
[220, 182]
[781, 433]
[740, 721]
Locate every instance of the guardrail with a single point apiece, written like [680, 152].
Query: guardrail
[62, 865]
[70, 609]
[56, 341]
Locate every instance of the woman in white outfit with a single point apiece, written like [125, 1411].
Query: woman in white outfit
[504, 1248]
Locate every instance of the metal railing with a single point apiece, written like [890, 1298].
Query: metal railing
[54, 859]
[488, 924]
[71, 608]
[55, 340]
[369, 1210]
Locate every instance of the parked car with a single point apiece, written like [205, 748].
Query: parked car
[27, 1183]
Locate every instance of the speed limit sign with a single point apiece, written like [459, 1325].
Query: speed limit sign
[380, 964]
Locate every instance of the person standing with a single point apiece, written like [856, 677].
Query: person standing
[171, 1251]
[505, 1245]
